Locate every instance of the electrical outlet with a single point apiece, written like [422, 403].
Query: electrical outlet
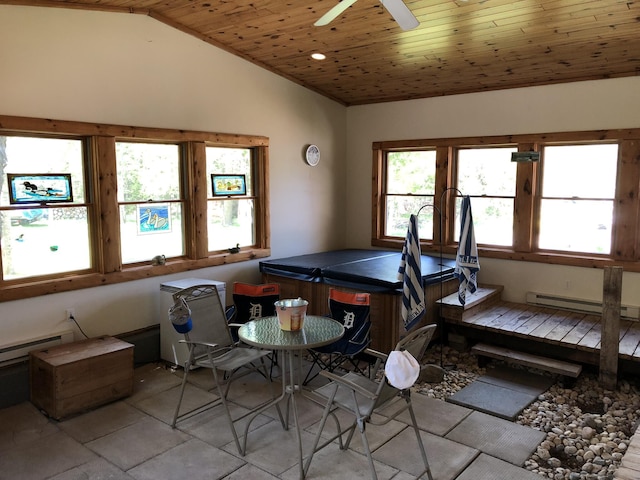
[71, 314]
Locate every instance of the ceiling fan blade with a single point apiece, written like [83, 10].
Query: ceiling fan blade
[401, 13]
[335, 12]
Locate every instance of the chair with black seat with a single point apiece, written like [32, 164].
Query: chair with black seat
[362, 397]
[207, 334]
[352, 310]
[251, 302]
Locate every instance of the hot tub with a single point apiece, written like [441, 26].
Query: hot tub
[375, 271]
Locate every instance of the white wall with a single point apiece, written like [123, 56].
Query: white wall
[132, 70]
[606, 104]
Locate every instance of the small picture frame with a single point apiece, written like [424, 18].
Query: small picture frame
[153, 218]
[43, 188]
[228, 185]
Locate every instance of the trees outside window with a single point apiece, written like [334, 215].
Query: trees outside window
[41, 239]
[488, 176]
[410, 184]
[137, 193]
[230, 218]
[150, 200]
[576, 205]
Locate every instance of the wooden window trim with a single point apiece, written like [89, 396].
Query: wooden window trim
[626, 227]
[104, 211]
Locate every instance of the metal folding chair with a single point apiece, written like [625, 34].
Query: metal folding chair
[362, 397]
[211, 346]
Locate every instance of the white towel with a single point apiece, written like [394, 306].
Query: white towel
[413, 304]
[467, 264]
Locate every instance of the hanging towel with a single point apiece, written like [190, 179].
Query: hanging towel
[467, 264]
[413, 305]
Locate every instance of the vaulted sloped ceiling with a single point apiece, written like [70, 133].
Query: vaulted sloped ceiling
[459, 46]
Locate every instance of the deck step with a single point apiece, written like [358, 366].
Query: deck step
[484, 297]
[528, 360]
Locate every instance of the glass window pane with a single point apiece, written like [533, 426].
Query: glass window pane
[492, 220]
[147, 171]
[487, 171]
[411, 172]
[576, 226]
[47, 239]
[400, 208]
[150, 173]
[151, 229]
[583, 171]
[43, 155]
[229, 161]
[44, 241]
[230, 223]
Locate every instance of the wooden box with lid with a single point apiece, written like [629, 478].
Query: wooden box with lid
[79, 376]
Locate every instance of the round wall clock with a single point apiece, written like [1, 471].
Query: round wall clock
[312, 155]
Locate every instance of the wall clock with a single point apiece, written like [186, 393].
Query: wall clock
[312, 155]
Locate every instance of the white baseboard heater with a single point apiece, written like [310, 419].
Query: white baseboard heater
[578, 305]
[17, 352]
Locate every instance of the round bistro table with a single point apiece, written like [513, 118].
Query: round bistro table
[266, 333]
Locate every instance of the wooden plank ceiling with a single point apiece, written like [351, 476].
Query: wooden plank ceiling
[459, 46]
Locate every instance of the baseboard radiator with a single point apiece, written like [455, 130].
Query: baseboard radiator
[18, 352]
[578, 305]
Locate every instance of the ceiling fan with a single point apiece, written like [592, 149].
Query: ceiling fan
[398, 10]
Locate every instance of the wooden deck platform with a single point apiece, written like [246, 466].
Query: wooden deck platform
[539, 327]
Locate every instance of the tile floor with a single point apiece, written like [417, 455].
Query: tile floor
[133, 439]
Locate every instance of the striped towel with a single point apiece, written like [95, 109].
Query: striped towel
[467, 264]
[413, 304]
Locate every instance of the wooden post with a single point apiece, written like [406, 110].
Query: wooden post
[610, 339]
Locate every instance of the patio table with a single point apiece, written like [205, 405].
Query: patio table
[266, 333]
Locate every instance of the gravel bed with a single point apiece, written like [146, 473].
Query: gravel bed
[588, 428]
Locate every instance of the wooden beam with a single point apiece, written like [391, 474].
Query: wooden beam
[523, 216]
[610, 337]
[109, 211]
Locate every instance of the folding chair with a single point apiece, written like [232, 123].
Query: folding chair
[362, 397]
[211, 346]
[251, 302]
[352, 310]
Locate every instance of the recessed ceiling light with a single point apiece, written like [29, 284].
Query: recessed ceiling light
[318, 56]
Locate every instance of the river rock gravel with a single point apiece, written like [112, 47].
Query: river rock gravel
[588, 428]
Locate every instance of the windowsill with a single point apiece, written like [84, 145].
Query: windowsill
[138, 272]
[553, 258]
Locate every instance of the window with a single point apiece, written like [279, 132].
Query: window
[410, 184]
[230, 217]
[150, 201]
[137, 193]
[578, 205]
[488, 176]
[578, 191]
[41, 237]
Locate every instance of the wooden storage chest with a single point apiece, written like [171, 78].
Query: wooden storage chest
[78, 376]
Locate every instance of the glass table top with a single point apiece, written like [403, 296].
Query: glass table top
[266, 333]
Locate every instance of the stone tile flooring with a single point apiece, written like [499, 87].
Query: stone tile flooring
[133, 439]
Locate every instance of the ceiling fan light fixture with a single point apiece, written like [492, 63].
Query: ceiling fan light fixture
[318, 56]
[401, 13]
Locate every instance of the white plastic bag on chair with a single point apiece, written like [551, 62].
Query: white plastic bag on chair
[402, 369]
